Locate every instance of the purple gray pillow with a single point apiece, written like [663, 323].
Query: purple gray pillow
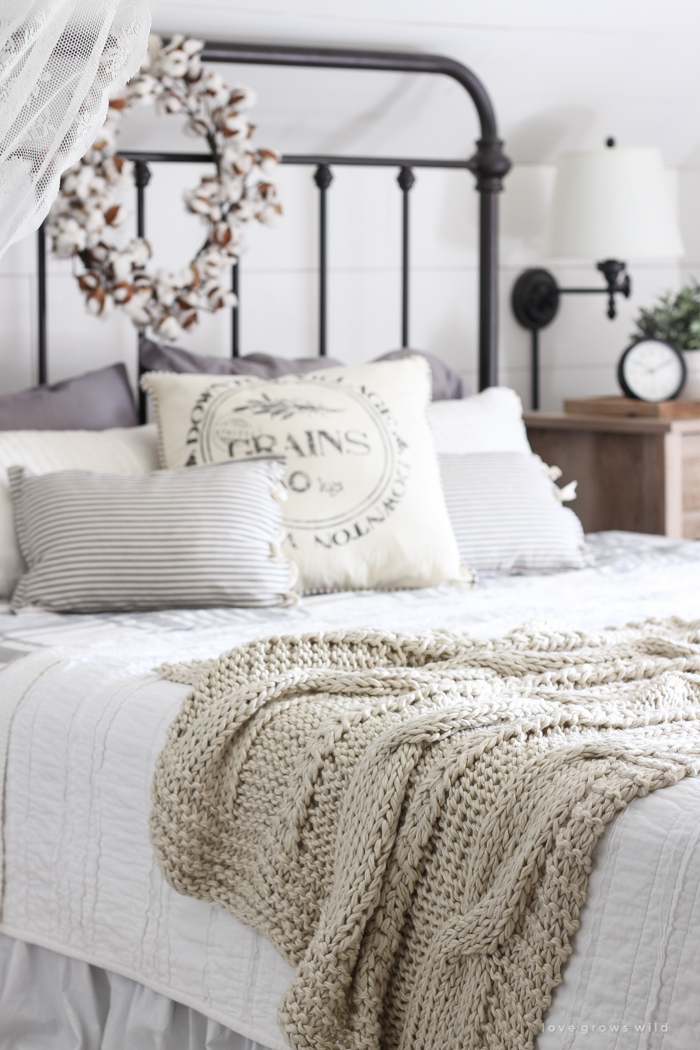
[447, 385]
[94, 401]
[157, 357]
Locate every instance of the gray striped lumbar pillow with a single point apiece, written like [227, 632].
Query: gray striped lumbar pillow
[506, 514]
[103, 542]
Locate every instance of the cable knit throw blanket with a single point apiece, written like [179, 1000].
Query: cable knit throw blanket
[410, 820]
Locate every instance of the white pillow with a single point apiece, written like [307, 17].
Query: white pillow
[491, 421]
[365, 506]
[123, 450]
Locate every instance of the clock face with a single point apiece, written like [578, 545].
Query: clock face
[651, 370]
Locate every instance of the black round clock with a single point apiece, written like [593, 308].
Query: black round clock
[651, 370]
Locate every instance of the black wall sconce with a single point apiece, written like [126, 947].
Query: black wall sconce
[608, 204]
[535, 302]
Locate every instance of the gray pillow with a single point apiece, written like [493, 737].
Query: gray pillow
[94, 401]
[507, 516]
[447, 385]
[157, 357]
[202, 537]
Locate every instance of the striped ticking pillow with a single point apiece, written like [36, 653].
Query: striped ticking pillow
[208, 536]
[506, 514]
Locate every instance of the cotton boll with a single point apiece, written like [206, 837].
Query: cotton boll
[191, 46]
[194, 69]
[121, 264]
[140, 251]
[175, 64]
[136, 305]
[270, 214]
[70, 238]
[244, 163]
[235, 124]
[267, 162]
[216, 89]
[242, 97]
[122, 292]
[172, 104]
[164, 289]
[168, 328]
[95, 220]
[144, 89]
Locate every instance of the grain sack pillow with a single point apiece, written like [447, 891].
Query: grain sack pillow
[365, 506]
[187, 538]
[122, 450]
[507, 514]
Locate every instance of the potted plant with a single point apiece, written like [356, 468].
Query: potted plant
[677, 319]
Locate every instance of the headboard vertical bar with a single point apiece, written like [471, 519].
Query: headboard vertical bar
[405, 180]
[142, 177]
[323, 178]
[235, 315]
[42, 362]
[488, 289]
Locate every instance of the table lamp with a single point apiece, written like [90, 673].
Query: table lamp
[608, 205]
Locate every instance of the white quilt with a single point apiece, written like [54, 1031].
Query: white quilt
[83, 718]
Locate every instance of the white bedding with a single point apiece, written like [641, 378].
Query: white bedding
[85, 716]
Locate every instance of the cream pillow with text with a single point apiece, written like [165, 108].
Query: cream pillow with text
[365, 507]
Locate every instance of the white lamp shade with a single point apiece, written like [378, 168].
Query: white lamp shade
[612, 203]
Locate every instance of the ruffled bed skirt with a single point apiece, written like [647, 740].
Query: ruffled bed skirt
[51, 1002]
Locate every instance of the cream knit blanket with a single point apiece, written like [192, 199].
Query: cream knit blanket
[410, 820]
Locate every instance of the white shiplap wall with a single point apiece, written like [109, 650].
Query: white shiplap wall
[561, 76]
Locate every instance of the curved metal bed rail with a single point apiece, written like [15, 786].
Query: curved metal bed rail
[489, 164]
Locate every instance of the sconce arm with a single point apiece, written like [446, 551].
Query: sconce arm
[535, 302]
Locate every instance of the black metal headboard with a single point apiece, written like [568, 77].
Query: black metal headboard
[489, 164]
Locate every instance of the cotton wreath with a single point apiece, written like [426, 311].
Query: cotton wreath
[86, 209]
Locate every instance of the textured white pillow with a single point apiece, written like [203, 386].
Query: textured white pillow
[365, 506]
[123, 450]
[491, 421]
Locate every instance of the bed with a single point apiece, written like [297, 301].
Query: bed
[96, 949]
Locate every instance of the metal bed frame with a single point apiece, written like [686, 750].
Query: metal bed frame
[489, 164]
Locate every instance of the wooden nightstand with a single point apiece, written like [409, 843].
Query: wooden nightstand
[636, 474]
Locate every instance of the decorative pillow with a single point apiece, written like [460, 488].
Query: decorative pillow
[446, 383]
[507, 515]
[491, 421]
[105, 542]
[157, 357]
[94, 401]
[132, 450]
[365, 506]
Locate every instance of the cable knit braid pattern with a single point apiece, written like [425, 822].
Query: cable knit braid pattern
[410, 819]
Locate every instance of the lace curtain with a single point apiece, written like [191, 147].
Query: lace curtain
[59, 62]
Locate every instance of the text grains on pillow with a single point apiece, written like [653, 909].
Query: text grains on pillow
[410, 819]
[365, 506]
[101, 542]
[506, 514]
